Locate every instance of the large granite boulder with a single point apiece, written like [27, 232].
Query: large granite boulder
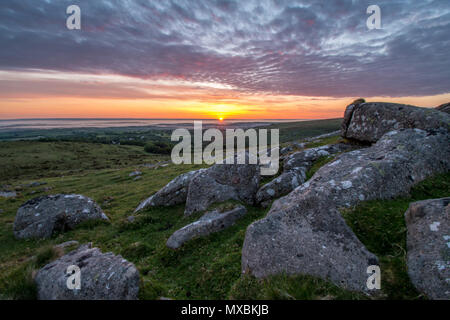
[368, 122]
[175, 192]
[220, 183]
[103, 276]
[296, 165]
[428, 246]
[210, 222]
[304, 233]
[42, 216]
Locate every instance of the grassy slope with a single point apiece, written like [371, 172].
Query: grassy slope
[206, 268]
[292, 131]
[35, 159]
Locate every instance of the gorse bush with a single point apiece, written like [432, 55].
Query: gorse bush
[158, 147]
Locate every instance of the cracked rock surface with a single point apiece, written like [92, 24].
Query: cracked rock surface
[428, 246]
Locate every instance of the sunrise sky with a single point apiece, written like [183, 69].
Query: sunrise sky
[211, 59]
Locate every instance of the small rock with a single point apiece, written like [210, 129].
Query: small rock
[299, 145]
[210, 222]
[135, 173]
[8, 194]
[428, 246]
[131, 219]
[42, 216]
[104, 276]
[37, 184]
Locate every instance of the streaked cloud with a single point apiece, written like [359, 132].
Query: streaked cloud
[218, 50]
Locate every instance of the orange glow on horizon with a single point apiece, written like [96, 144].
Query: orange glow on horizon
[39, 94]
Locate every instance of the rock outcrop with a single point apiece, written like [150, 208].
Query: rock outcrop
[304, 233]
[296, 165]
[103, 277]
[428, 246]
[8, 194]
[368, 122]
[42, 216]
[220, 183]
[175, 192]
[199, 189]
[210, 222]
[444, 107]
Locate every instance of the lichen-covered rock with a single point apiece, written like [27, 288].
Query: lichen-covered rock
[220, 183]
[175, 192]
[286, 150]
[444, 107]
[368, 122]
[210, 222]
[103, 276]
[304, 233]
[296, 166]
[305, 158]
[41, 217]
[280, 186]
[428, 246]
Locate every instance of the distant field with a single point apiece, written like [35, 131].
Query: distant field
[70, 151]
[292, 131]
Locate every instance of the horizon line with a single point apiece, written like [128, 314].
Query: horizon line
[216, 119]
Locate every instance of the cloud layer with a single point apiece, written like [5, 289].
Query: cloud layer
[307, 48]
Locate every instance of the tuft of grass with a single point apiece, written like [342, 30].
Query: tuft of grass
[318, 164]
[284, 287]
[293, 131]
[380, 225]
[224, 206]
[18, 283]
[325, 141]
[46, 255]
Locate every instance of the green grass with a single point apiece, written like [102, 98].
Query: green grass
[318, 164]
[380, 225]
[325, 141]
[205, 268]
[283, 287]
[292, 131]
[35, 159]
[208, 267]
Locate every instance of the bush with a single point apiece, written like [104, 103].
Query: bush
[158, 148]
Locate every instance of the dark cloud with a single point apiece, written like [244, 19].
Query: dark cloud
[316, 48]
